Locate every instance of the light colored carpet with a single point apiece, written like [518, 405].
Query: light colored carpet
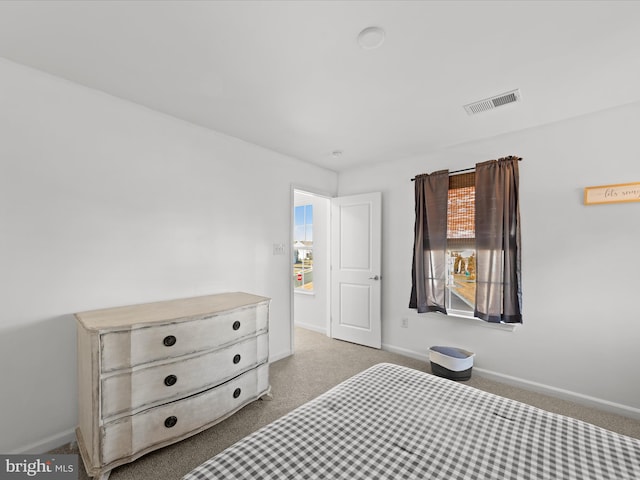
[318, 364]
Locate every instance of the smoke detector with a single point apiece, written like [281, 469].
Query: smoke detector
[371, 37]
[493, 102]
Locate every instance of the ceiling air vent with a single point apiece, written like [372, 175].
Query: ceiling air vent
[493, 102]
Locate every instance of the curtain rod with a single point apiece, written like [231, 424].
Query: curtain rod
[461, 170]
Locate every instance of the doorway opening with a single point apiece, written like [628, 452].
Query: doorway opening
[310, 265]
[343, 303]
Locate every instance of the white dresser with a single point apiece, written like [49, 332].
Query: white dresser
[153, 374]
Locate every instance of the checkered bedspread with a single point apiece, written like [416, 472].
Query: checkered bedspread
[392, 422]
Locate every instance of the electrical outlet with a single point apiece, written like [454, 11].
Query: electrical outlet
[405, 322]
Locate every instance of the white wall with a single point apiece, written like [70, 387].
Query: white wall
[311, 310]
[580, 263]
[106, 203]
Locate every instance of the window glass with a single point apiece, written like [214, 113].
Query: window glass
[303, 248]
[461, 277]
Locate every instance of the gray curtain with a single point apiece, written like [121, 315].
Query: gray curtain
[429, 272]
[498, 284]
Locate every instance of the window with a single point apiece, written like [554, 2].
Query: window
[303, 248]
[461, 244]
[466, 252]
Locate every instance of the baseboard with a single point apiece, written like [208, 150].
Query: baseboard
[48, 444]
[594, 402]
[278, 356]
[405, 352]
[313, 328]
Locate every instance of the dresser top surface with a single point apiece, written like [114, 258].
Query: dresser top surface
[166, 310]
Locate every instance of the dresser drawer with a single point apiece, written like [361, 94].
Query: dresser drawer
[137, 346]
[133, 390]
[166, 423]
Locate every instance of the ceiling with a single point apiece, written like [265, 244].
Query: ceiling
[290, 76]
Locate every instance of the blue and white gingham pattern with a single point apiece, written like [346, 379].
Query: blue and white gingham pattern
[392, 422]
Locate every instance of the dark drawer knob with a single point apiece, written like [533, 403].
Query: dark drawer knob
[236, 393]
[236, 358]
[170, 421]
[236, 325]
[169, 341]
[170, 380]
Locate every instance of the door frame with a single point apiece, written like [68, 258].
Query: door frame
[317, 193]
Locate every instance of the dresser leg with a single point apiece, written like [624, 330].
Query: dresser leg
[103, 476]
[268, 396]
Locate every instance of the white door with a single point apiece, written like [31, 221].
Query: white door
[356, 228]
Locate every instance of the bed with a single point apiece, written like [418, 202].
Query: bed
[393, 422]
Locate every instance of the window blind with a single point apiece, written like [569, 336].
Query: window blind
[461, 211]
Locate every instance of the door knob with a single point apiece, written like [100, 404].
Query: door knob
[376, 277]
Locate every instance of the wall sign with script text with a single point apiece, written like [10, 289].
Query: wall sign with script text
[620, 193]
